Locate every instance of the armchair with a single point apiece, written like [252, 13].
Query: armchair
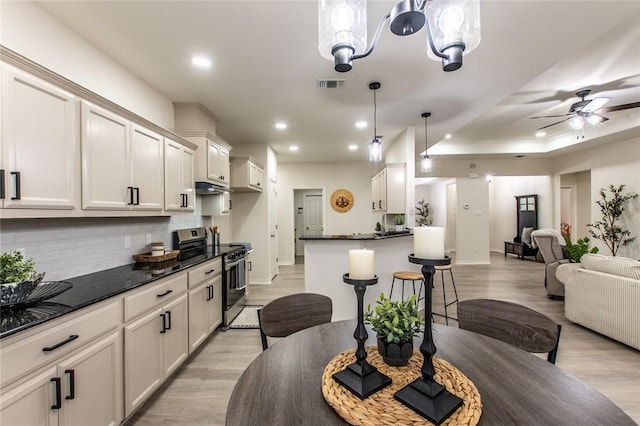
[554, 255]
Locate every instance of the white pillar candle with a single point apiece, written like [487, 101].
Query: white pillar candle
[428, 242]
[361, 264]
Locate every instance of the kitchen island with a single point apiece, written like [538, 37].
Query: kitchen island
[326, 259]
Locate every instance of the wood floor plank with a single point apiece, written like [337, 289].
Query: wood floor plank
[199, 392]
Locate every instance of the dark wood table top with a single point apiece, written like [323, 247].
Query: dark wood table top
[282, 386]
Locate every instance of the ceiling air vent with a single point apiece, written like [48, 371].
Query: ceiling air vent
[330, 83]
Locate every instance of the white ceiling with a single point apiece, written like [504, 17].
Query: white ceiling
[532, 58]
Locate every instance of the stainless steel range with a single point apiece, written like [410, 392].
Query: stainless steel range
[193, 242]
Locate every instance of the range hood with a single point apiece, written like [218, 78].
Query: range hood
[208, 188]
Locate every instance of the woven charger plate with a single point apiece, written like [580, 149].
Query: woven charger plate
[381, 408]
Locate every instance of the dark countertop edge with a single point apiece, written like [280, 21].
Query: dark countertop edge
[357, 237]
[102, 297]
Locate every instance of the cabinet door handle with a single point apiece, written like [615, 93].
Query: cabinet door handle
[137, 191]
[250, 266]
[130, 195]
[16, 176]
[164, 326]
[2, 184]
[230, 204]
[57, 392]
[165, 293]
[208, 293]
[373, 205]
[168, 315]
[210, 271]
[72, 384]
[380, 204]
[57, 345]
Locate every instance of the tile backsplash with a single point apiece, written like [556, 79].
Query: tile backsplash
[65, 248]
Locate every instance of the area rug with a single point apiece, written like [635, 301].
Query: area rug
[247, 318]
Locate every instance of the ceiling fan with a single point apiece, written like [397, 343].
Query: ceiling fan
[587, 110]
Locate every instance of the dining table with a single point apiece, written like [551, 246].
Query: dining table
[283, 385]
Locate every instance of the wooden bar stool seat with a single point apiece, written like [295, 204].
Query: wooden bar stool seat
[407, 276]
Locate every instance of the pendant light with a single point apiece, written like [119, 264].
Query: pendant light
[425, 161]
[375, 146]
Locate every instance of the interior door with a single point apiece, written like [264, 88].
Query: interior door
[313, 215]
[452, 206]
[273, 227]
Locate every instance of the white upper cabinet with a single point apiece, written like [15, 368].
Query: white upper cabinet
[178, 178]
[217, 163]
[246, 174]
[122, 163]
[40, 155]
[388, 189]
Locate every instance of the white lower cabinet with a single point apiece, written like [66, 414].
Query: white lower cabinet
[205, 311]
[155, 345]
[81, 389]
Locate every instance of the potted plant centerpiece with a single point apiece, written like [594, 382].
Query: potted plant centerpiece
[395, 324]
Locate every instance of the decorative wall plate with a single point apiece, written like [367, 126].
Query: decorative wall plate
[342, 200]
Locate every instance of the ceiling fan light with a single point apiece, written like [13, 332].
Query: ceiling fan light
[576, 123]
[426, 165]
[594, 119]
[375, 151]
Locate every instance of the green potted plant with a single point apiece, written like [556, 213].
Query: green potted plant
[395, 324]
[18, 277]
[607, 229]
[423, 213]
[579, 249]
[398, 221]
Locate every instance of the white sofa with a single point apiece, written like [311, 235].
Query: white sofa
[603, 293]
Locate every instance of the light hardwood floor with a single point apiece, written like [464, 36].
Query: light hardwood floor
[199, 392]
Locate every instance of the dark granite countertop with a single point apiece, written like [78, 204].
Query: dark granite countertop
[374, 236]
[96, 287]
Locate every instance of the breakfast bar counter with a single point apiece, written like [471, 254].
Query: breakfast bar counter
[327, 260]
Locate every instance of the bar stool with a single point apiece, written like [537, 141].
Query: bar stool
[443, 268]
[406, 276]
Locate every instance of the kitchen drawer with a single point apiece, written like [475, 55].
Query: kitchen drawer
[155, 295]
[204, 272]
[34, 351]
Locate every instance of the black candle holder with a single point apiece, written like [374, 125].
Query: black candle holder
[424, 395]
[361, 378]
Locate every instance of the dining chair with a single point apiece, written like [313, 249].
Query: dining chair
[511, 323]
[289, 314]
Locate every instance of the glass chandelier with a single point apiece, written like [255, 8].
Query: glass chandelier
[425, 161]
[452, 29]
[375, 146]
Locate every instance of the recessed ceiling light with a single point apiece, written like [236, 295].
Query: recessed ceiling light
[447, 136]
[281, 125]
[540, 134]
[353, 147]
[361, 124]
[293, 148]
[201, 62]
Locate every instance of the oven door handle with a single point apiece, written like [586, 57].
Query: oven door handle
[240, 288]
[231, 265]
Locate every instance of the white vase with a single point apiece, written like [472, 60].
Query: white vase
[399, 228]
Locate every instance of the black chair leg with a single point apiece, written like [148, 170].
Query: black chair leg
[554, 352]
[263, 336]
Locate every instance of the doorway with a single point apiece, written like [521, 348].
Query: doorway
[308, 217]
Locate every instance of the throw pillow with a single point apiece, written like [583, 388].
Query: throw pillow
[526, 236]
